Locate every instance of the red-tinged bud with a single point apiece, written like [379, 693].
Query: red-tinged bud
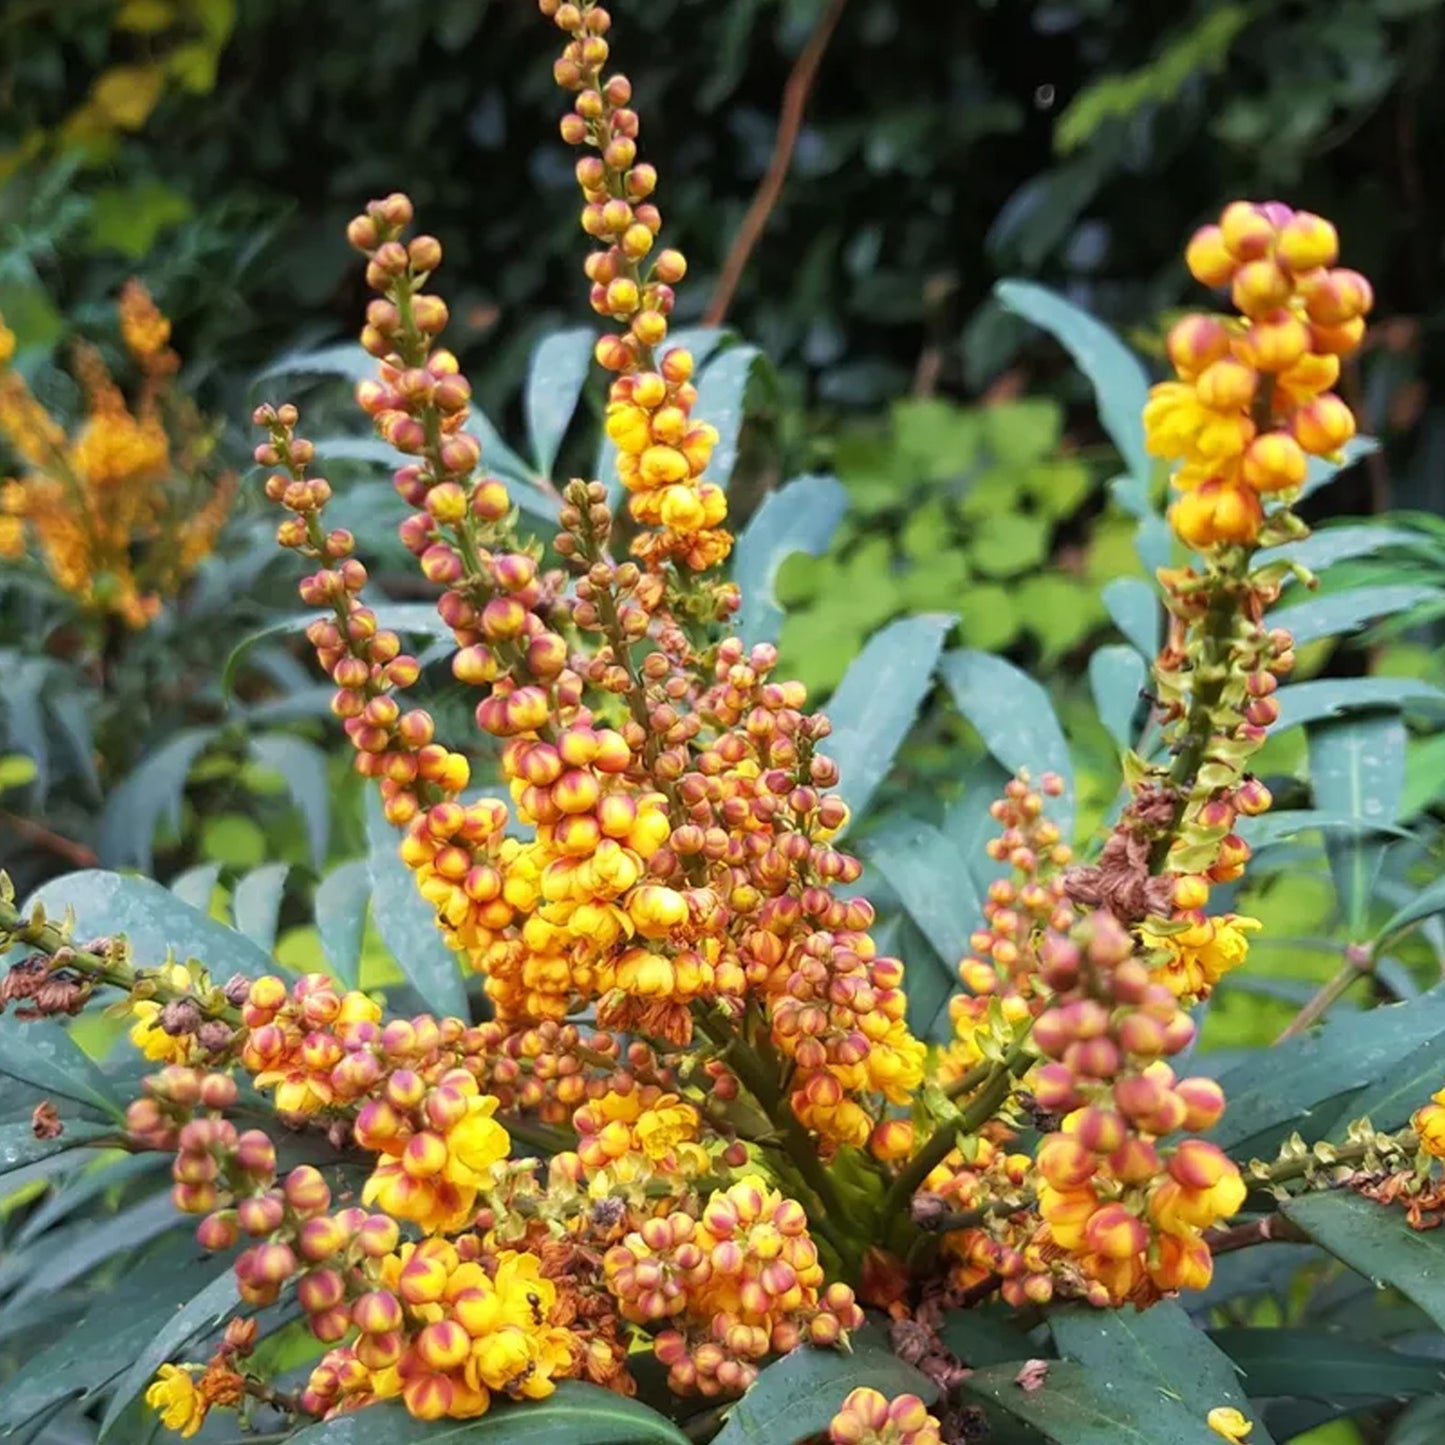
[378, 1236]
[1204, 1100]
[1323, 425]
[260, 1214]
[1199, 1165]
[306, 1191]
[321, 1238]
[1052, 1035]
[256, 1154]
[272, 1263]
[1246, 231]
[1065, 1162]
[1115, 1233]
[443, 1345]
[423, 1280]
[377, 1313]
[1135, 1161]
[1141, 1035]
[1056, 1089]
[1196, 342]
[1253, 797]
[218, 1231]
[320, 1290]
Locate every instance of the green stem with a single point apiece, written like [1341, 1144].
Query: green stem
[944, 1140]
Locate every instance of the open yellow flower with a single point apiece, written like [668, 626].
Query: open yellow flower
[176, 1400]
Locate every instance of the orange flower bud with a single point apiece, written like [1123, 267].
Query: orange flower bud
[1209, 260]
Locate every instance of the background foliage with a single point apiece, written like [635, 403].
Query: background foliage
[951, 482]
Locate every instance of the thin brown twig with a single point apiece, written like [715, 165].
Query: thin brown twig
[51, 841]
[1271, 1229]
[770, 188]
[1358, 962]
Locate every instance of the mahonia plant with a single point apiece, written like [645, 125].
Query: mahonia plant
[695, 1120]
[122, 510]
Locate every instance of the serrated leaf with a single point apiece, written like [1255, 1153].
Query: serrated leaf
[1344, 612]
[1357, 768]
[199, 1314]
[800, 516]
[574, 1414]
[1134, 607]
[874, 706]
[721, 400]
[1117, 675]
[19, 1148]
[1376, 1240]
[1298, 1085]
[794, 1399]
[1159, 1347]
[1015, 718]
[1307, 702]
[154, 790]
[406, 921]
[303, 769]
[42, 1054]
[256, 903]
[196, 885]
[1074, 1405]
[1120, 383]
[340, 907]
[411, 619]
[555, 377]
[154, 920]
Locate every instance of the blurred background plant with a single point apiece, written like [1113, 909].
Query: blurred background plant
[917, 467]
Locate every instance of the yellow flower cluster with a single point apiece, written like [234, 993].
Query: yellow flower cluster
[123, 510]
[1253, 399]
[446, 1333]
[662, 452]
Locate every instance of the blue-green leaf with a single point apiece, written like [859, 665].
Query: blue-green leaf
[1322, 549]
[303, 769]
[1120, 383]
[256, 903]
[1378, 1243]
[42, 1054]
[414, 619]
[74, 716]
[1357, 768]
[1159, 1349]
[19, 1148]
[197, 885]
[1321, 472]
[574, 1414]
[199, 1314]
[1015, 718]
[345, 361]
[154, 790]
[925, 868]
[721, 400]
[1426, 904]
[555, 378]
[154, 920]
[877, 701]
[1136, 611]
[1307, 702]
[340, 907]
[799, 517]
[406, 921]
[1343, 612]
[796, 1398]
[1075, 1405]
[1117, 674]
